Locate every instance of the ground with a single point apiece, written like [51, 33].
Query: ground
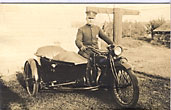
[151, 66]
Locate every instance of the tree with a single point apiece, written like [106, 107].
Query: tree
[153, 24]
[133, 29]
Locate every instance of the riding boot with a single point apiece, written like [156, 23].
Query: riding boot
[87, 82]
[103, 79]
[93, 76]
[80, 82]
[89, 77]
[98, 74]
[93, 72]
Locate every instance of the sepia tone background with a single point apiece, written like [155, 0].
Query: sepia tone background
[25, 27]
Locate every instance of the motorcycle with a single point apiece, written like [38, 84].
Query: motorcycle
[108, 70]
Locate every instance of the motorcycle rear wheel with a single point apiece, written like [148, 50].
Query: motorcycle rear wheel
[126, 91]
[32, 86]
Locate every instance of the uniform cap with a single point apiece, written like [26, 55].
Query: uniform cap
[91, 14]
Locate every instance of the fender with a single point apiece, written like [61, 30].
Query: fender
[33, 65]
[123, 62]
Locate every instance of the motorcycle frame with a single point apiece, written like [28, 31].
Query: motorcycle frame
[109, 64]
[113, 61]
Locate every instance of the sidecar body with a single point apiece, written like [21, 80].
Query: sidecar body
[52, 65]
[55, 63]
[54, 70]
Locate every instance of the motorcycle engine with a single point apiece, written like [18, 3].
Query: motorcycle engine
[101, 60]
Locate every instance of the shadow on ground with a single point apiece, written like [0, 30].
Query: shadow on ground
[105, 101]
[145, 39]
[20, 79]
[9, 99]
[105, 97]
[154, 42]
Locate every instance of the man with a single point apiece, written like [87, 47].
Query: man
[88, 35]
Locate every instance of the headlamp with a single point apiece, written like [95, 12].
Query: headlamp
[118, 50]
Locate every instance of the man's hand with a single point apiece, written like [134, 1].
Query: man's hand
[83, 48]
[112, 45]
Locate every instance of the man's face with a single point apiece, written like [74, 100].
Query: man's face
[90, 20]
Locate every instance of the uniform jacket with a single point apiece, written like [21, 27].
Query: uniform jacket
[88, 36]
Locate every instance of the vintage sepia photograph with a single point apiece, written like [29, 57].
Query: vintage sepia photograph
[84, 56]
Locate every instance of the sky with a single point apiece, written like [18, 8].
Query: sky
[29, 17]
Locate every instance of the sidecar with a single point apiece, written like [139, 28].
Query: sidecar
[53, 67]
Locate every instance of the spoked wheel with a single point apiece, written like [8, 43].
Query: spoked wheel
[125, 90]
[31, 72]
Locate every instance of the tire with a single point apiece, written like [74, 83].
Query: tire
[126, 91]
[32, 86]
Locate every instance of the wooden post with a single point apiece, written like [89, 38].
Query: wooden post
[117, 26]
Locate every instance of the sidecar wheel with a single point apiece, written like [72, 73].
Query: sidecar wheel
[126, 91]
[32, 85]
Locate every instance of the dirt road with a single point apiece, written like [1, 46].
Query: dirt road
[154, 95]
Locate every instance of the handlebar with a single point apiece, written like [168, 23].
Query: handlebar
[110, 47]
[94, 49]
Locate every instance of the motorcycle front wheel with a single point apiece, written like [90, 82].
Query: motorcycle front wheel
[125, 90]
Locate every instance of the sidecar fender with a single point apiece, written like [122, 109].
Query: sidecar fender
[33, 65]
